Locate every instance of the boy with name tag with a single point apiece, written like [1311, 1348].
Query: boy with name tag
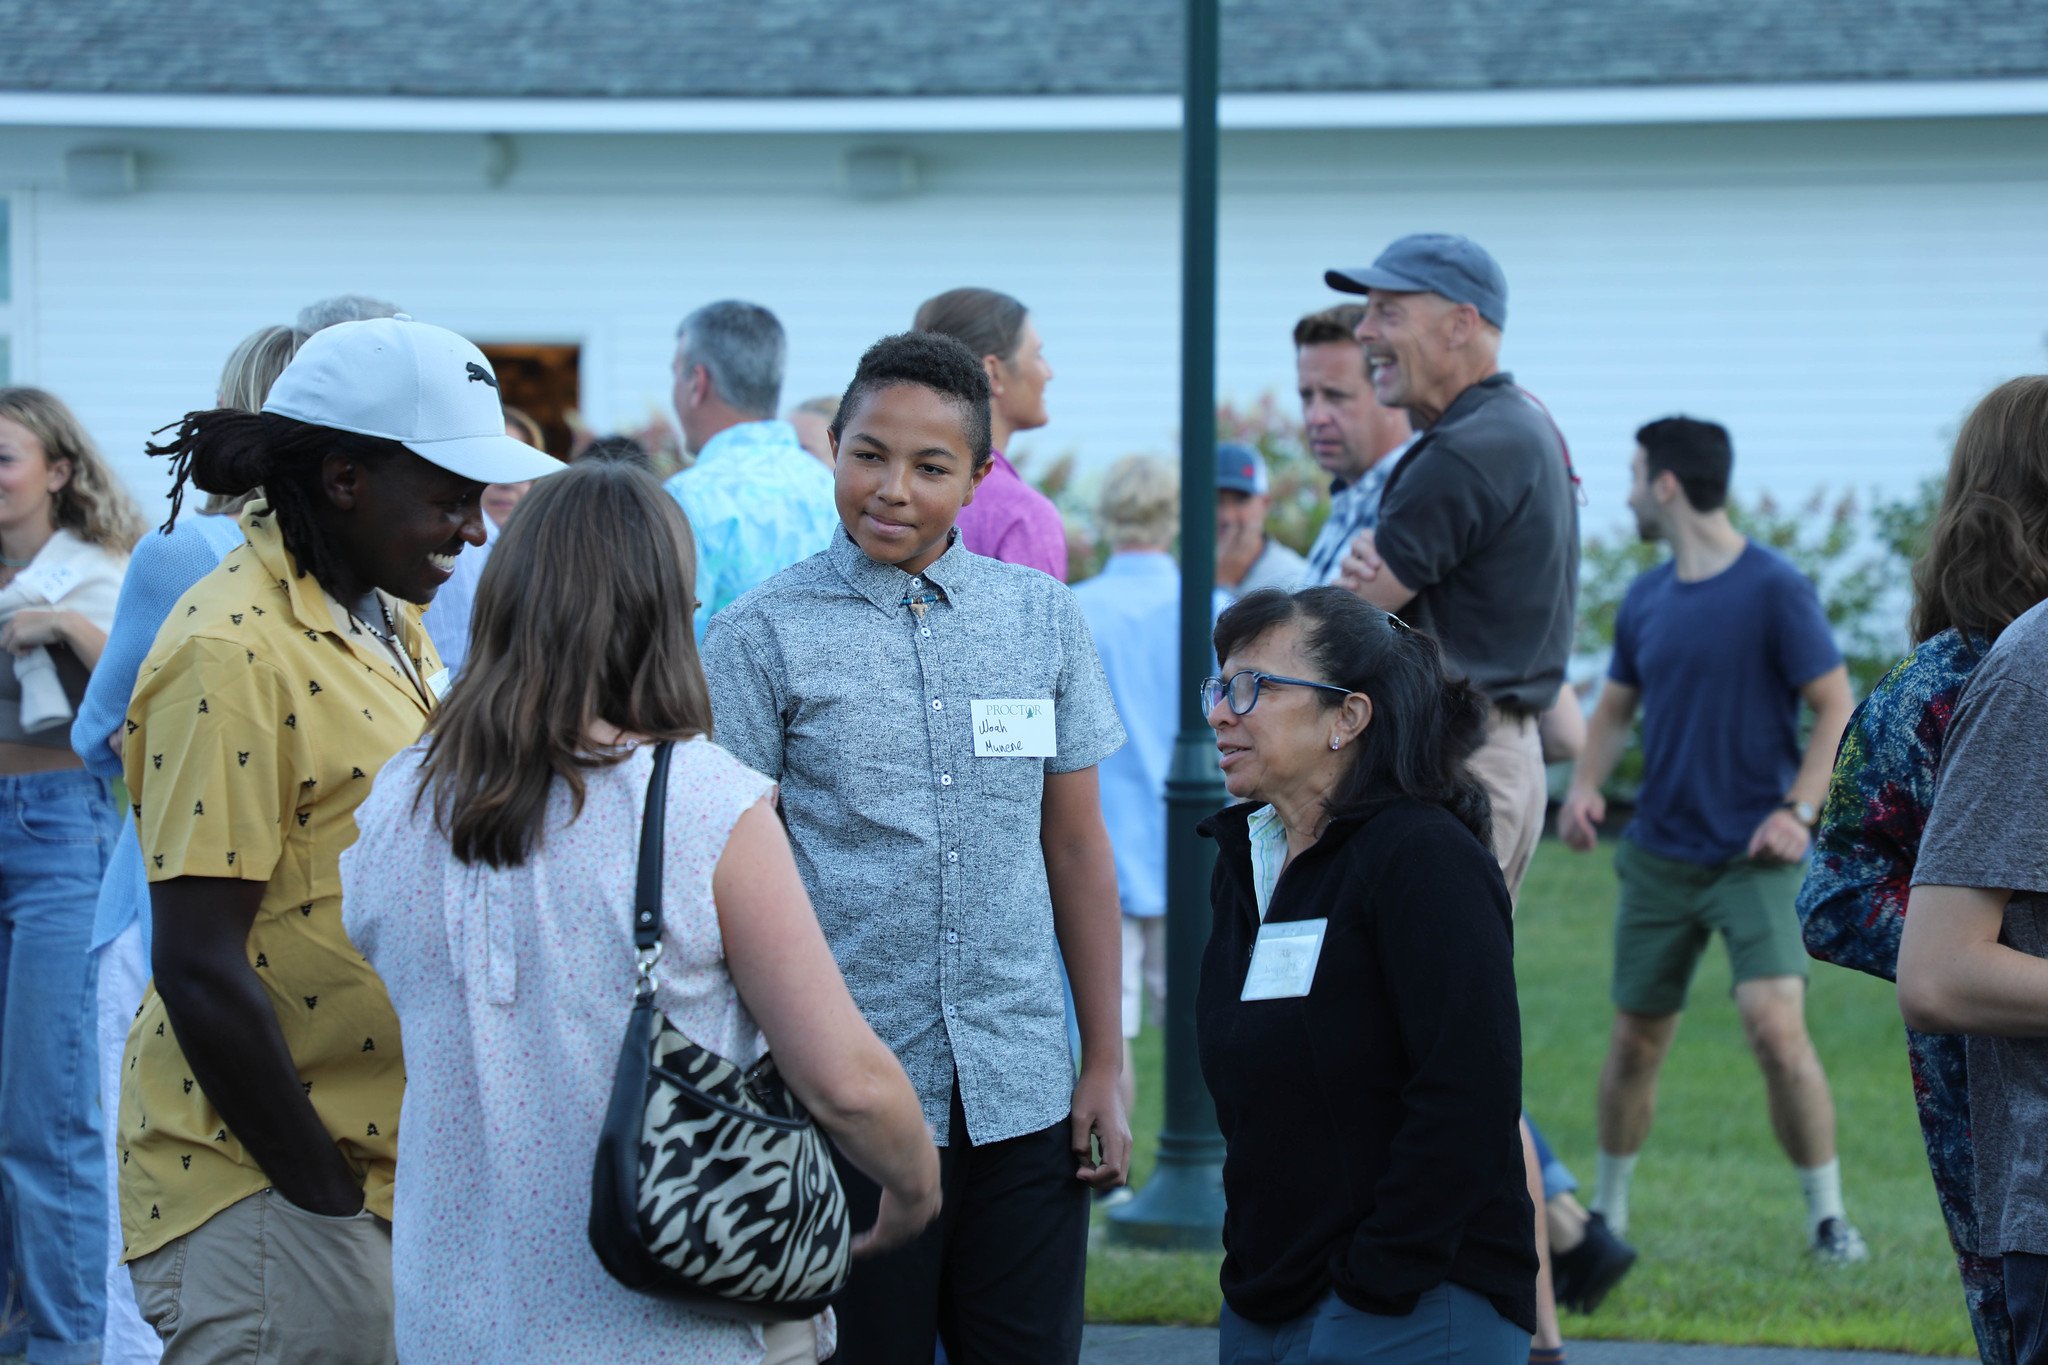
[935, 719]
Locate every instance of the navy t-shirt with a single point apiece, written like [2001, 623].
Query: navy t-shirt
[1719, 664]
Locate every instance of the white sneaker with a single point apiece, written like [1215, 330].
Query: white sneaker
[1836, 1242]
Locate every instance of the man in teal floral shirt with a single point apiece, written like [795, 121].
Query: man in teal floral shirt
[756, 500]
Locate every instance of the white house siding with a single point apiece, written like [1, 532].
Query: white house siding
[1839, 294]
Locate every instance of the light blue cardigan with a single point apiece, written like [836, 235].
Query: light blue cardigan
[162, 570]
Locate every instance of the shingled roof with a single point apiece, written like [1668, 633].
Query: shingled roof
[779, 48]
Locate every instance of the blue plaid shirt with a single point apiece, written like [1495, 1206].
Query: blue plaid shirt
[1354, 507]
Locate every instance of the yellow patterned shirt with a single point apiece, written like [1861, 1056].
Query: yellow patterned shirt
[260, 718]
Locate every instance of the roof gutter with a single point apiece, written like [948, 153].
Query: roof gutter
[1647, 104]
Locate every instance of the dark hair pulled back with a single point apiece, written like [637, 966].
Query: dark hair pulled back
[986, 321]
[1426, 723]
[231, 452]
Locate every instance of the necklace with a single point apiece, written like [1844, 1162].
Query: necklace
[9, 561]
[920, 604]
[389, 635]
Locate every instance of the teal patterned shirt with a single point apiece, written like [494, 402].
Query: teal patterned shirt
[757, 502]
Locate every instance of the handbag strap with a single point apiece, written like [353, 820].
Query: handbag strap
[647, 883]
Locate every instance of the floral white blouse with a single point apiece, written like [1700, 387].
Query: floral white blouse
[512, 989]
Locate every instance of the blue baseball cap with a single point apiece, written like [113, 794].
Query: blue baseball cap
[1240, 469]
[1442, 263]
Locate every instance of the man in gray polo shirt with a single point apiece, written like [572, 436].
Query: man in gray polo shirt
[1478, 536]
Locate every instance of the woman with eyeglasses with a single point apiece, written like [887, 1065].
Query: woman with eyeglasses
[1356, 1012]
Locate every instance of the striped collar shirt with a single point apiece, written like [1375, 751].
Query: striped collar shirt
[854, 684]
[1354, 507]
[1269, 855]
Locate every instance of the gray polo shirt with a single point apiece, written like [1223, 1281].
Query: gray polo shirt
[923, 859]
[1481, 519]
[1988, 828]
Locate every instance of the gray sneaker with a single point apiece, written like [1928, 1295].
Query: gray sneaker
[1836, 1242]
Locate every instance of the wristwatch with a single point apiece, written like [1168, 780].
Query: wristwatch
[1802, 811]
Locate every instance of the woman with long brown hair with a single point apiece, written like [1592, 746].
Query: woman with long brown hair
[492, 889]
[66, 526]
[1986, 564]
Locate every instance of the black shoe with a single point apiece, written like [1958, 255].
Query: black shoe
[1582, 1276]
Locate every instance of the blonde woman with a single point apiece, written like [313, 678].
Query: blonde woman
[1133, 610]
[65, 530]
[163, 568]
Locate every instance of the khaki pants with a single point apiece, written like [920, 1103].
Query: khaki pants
[1144, 970]
[1509, 764]
[266, 1283]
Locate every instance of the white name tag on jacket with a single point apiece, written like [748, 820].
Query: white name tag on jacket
[1013, 727]
[48, 581]
[1284, 959]
[438, 685]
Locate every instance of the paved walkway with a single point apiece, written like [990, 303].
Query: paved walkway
[1112, 1345]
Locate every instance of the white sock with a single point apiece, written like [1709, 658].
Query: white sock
[1823, 1188]
[1610, 1199]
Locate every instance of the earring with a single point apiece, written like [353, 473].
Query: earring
[1335, 743]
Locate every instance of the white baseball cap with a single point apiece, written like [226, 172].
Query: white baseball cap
[423, 387]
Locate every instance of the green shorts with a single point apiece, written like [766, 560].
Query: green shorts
[1669, 909]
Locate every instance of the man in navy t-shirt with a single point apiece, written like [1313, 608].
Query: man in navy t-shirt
[1719, 644]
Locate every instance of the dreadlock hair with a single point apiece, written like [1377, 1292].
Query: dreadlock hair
[1426, 722]
[929, 360]
[228, 452]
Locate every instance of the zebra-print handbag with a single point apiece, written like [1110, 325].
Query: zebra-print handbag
[712, 1185]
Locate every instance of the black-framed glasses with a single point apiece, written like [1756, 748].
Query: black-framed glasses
[1242, 689]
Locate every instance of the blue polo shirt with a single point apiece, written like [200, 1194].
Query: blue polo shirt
[1719, 664]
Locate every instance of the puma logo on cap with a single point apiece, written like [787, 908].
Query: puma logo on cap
[478, 373]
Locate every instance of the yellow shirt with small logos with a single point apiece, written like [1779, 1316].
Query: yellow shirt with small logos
[259, 719]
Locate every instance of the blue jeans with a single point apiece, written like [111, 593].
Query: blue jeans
[56, 830]
[1557, 1177]
[1451, 1325]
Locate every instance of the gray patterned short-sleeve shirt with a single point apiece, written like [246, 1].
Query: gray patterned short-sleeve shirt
[922, 859]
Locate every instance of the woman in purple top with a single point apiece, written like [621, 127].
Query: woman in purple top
[1008, 519]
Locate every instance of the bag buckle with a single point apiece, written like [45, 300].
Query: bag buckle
[643, 989]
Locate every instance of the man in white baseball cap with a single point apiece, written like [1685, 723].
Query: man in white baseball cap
[405, 381]
[259, 1127]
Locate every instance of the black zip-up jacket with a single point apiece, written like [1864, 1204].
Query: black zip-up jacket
[1371, 1125]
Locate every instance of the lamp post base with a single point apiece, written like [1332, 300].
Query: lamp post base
[1181, 1206]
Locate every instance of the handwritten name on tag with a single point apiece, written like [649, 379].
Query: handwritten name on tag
[48, 581]
[1014, 727]
[1284, 959]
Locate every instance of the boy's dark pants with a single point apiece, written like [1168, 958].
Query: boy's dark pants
[997, 1276]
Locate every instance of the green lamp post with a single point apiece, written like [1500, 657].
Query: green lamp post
[1182, 1204]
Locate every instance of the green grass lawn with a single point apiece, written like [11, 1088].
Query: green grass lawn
[1715, 1208]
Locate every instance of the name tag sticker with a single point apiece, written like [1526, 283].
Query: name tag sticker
[48, 581]
[1013, 727]
[438, 685]
[1284, 959]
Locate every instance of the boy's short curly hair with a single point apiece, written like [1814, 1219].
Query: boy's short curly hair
[932, 361]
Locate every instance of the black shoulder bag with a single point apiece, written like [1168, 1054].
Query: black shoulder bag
[712, 1185]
